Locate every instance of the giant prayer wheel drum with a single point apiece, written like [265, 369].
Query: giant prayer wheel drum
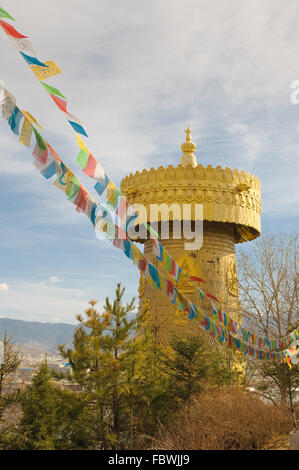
[231, 210]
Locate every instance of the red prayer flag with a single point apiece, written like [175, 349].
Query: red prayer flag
[55, 155]
[90, 166]
[40, 157]
[169, 287]
[196, 279]
[11, 31]
[122, 207]
[142, 265]
[212, 297]
[62, 104]
[232, 326]
[80, 200]
[220, 318]
[173, 264]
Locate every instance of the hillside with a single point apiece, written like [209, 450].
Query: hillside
[37, 336]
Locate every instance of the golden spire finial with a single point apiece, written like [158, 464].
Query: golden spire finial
[188, 134]
[188, 147]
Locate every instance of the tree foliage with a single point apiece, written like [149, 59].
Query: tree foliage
[269, 281]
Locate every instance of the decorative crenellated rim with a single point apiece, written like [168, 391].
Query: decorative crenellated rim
[230, 196]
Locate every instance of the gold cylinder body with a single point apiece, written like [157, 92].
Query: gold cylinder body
[231, 204]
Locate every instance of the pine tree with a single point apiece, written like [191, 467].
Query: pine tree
[186, 364]
[11, 363]
[38, 423]
[101, 360]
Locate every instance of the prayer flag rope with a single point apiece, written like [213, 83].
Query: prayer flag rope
[50, 164]
[94, 169]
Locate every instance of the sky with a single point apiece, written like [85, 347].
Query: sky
[136, 73]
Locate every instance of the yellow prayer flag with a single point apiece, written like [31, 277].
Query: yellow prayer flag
[111, 192]
[31, 119]
[81, 144]
[45, 72]
[137, 255]
[26, 133]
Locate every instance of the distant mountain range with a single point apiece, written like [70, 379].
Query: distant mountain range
[37, 337]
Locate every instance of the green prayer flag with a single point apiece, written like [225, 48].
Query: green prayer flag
[151, 230]
[168, 263]
[52, 90]
[73, 187]
[41, 143]
[4, 14]
[82, 158]
[117, 195]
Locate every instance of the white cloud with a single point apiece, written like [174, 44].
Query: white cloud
[4, 286]
[135, 73]
[54, 279]
[37, 301]
[137, 79]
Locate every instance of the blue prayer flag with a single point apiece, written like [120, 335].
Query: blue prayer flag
[50, 171]
[78, 128]
[32, 60]
[100, 188]
[14, 120]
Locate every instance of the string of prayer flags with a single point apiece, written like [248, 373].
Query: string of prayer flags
[36, 66]
[90, 165]
[80, 200]
[72, 187]
[167, 262]
[20, 42]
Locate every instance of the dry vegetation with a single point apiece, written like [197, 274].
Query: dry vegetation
[225, 419]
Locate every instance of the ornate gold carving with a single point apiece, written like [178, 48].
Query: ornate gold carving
[232, 279]
[243, 187]
[185, 285]
[226, 195]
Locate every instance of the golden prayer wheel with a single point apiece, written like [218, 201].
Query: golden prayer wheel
[231, 210]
